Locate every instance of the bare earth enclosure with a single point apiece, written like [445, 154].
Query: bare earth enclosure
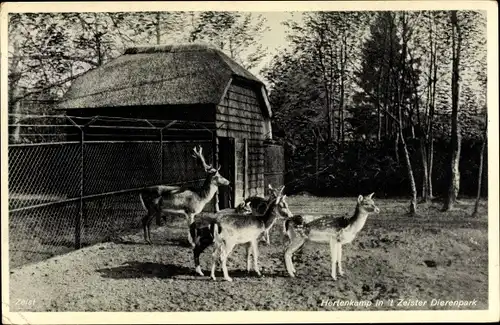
[413, 261]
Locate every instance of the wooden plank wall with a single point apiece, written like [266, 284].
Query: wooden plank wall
[239, 115]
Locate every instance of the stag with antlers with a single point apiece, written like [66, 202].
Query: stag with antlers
[180, 200]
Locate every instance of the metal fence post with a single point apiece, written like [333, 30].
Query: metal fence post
[158, 217]
[215, 146]
[80, 214]
[161, 148]
[161, 157]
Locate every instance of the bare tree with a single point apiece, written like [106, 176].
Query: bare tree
[480, 172]
[456, 137]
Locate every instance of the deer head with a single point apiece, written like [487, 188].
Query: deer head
[215, 178]
[275, 192]
[281, 204]
[366, 203]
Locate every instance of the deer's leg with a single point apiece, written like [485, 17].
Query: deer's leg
[215, 258]
[189, 221]
[339, 259]
[144, 221]
[249, 257]
[294, 245]
[156, 213]
[255, 252]
[198, 249]
[268, 241]
[333, 254]
[287, 233]
[196, 252]
[146, 225]
[226, 250]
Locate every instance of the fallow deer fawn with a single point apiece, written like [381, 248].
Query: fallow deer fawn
[335, 231]
[233, 229]
[258, 205]
[202, 230]
[185, 201]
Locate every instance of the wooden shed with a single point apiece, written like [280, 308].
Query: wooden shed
[192, 82]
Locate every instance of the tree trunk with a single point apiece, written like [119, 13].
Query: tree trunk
[430, 155]
[400, 96]
[425, 178]
[158, 28]
[396, 148]
[413, 186]
[327, 91]
[317, 161]
[430, 150]
[479, 178]
[16, 135]
[379, 125]
[456, 139]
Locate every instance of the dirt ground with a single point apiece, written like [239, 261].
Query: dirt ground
[411, 261]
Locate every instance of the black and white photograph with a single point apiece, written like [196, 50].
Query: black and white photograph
[249, 156]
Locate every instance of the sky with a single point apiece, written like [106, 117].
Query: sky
[275, 38]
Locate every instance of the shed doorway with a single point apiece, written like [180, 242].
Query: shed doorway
[227, 154]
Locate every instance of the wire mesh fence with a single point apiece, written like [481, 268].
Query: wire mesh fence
[74, 181]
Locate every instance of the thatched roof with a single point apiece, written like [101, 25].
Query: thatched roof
[158, 75]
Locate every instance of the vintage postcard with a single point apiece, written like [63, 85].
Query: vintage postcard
[236, 162]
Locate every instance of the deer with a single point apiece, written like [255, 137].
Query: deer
[233, 229]
[202, 230]
[258, 206]
[335, 231]
[185, 201]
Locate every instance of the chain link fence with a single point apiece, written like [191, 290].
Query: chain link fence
[74, 181]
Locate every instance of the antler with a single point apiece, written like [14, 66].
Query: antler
[198, 154]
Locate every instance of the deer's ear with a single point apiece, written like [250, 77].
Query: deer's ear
[360, 198]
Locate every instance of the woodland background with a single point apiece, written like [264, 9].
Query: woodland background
[386, 102]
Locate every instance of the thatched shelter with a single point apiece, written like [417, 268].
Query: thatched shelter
[195, 83]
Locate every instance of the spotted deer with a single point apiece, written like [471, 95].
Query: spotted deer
[327, 230]
[231, 230]
[228, 230]
[258, 206]
[180, 200]
[201, 230]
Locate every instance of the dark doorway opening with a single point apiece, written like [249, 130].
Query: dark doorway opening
[227, 161]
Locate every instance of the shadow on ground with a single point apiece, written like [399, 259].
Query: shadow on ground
[134, 269]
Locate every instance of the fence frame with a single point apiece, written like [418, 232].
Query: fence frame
[83, 196]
